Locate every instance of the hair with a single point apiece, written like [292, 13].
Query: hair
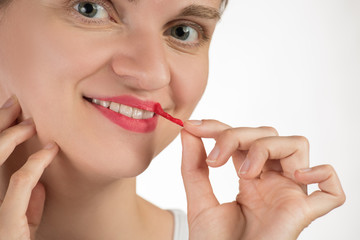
[3, 2]
[223, 2]
[223, 5]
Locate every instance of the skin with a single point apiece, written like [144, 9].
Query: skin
[91, 164]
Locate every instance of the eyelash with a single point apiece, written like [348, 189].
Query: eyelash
[108, 6]
[203, 34]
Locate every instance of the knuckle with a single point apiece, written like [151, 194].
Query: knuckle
[227, 134]
[12, 136]
[342, 199]
[258, 145]
[328, 168]
[303, 142]
[9, 137]
[259, 148]
[271, 130]
[20, 178]
[6, 133]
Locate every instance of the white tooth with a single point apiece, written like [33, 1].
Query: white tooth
[126, 110]
[96, 101]
[115, 107]
[137, 113]
[105, 104]
[148, 115]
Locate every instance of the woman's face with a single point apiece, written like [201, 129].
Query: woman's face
[57, 54]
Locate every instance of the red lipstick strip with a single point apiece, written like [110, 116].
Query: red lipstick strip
[158, 110]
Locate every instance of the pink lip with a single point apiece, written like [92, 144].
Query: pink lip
[135, 125]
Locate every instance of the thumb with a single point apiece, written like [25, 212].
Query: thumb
[35, 208]
[195, 173]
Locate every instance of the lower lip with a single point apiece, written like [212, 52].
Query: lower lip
[131, 124]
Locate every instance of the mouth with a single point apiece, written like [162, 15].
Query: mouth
[128, 112]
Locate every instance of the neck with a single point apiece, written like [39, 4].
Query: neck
[79, 207]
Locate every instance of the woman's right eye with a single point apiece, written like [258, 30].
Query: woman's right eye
[92, 10]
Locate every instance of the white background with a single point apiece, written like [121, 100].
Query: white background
[293, 65]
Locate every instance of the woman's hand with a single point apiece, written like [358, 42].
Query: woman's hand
[21, 208]
[272, 202]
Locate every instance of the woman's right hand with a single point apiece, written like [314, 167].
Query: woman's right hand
[22, 206]
[272, 202]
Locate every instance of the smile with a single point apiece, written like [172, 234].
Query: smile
[128, 111]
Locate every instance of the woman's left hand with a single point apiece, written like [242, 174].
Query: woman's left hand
[272, 202]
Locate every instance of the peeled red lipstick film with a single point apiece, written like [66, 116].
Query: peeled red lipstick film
[158, 110]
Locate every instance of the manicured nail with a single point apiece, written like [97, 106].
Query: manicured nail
[28, 121]
[304, 170]
[195, 122]
[214, 154]
[50, 145]
[9, 102]
[244, 167]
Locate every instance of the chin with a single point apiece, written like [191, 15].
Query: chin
[107, 163]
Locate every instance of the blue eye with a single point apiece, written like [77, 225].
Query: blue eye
[91, 10]
[184, 33]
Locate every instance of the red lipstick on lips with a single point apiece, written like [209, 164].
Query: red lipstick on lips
[136, 125]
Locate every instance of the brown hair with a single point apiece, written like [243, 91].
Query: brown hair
[3, 2]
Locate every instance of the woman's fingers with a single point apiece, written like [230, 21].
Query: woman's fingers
[234, 139]
[35, 208]
[292, 151]
[228, 140]
[331, 194]
[205, 128]
[22, 182]
[195, 173]
[259, 145]
[9, 111]
[13, 136]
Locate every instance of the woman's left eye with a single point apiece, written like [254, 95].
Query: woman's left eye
[184, 33]
[91, 10]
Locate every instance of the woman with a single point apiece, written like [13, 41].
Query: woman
[87, 76]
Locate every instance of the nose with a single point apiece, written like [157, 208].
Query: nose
[141, 63]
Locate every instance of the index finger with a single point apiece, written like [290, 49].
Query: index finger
[205, 128]
[9, 111]
[23, 181]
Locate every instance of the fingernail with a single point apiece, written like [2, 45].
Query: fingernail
[50, 146]
[195, 122]
[304, 170]
[244, 167]
[214, 154]
[28, 121]
[9, 102]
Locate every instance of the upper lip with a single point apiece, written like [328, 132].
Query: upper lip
[130, 101]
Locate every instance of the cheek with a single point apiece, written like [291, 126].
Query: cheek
[46, 61]
[45, 64]
[188, 83]
[190, 80]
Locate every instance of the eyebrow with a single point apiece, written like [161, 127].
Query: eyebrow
[196, 11]
[200, 11]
